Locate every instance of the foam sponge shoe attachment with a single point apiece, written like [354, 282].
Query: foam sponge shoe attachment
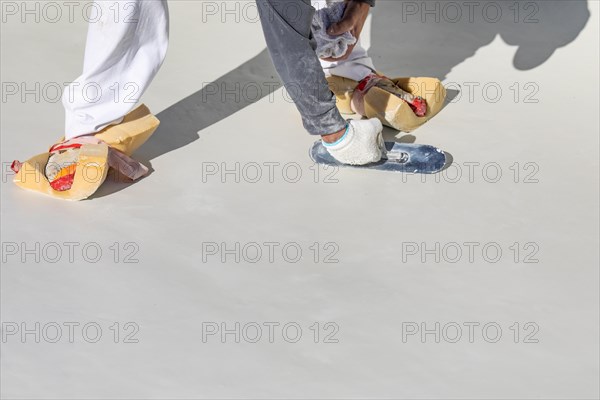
[75, 169]
[384, 103]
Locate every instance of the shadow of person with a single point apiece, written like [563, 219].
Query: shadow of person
[237, 89]
[181, 123]
[430, 38]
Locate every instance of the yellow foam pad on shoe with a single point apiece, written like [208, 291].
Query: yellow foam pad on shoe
[135, 129]
[92, 165]
[388, 108]
[90, 173]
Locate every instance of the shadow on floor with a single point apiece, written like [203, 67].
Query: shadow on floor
[181, 123]
[430, 38]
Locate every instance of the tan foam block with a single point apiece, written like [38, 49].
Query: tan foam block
[388, 108]
[91, 172]
[396, 113]
[135, 129]
[92, 164]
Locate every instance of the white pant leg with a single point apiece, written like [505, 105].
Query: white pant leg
[355, 67]
[126, 45]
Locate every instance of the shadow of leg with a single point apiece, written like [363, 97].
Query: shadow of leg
[181, 123]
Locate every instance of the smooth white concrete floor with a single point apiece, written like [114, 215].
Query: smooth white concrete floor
[374, 222]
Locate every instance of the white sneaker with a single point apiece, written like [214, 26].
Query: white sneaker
[361, 144]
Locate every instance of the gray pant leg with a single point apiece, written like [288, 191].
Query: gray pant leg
[287, 28]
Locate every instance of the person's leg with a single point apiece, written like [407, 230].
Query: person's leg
[126, 45]
[287, 28]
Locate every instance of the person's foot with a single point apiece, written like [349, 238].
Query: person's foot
[359, 144]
